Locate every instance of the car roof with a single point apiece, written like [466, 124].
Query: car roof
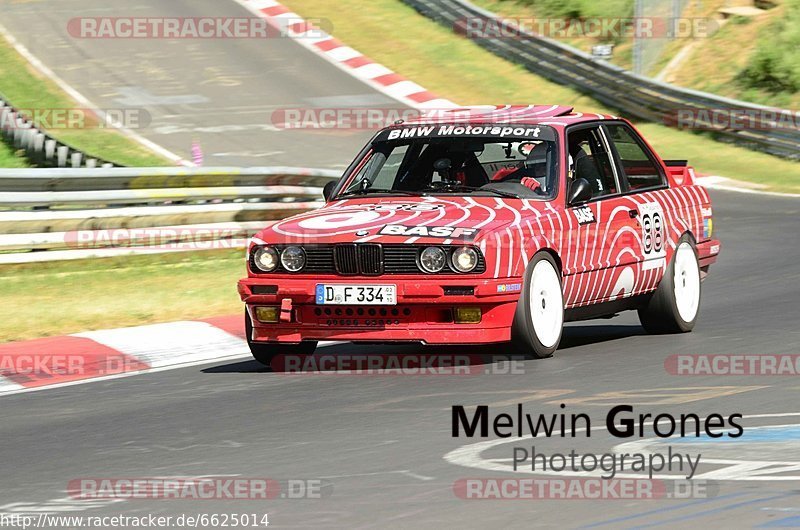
[554, 115]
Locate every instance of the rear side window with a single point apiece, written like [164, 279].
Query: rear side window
[640, 170]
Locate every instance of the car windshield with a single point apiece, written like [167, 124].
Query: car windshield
[516, 161]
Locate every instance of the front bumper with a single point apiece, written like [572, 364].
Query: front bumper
[424, 310]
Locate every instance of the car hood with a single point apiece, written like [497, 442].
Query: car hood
[424, 220]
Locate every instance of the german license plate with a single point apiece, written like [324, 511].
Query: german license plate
[356, 294]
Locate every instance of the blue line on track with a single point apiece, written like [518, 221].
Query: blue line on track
[729, 507]
[788, 522]
[662, 510]
[768, 434]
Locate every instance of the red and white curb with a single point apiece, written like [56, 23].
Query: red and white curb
[112, 353]
[346, 58]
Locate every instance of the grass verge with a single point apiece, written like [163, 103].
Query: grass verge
[730, 45]
[453, 67]
[8, 158]
[45, 299]
[25, 87]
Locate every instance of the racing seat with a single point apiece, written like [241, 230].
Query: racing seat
[466, 168]
[421, 171]
[586, 168]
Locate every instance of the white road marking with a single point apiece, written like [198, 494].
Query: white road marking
[165, 347]
[7, 386]
[23, 390]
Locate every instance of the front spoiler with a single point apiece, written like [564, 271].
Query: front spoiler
[419, 316]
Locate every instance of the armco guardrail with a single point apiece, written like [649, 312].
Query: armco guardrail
[40, 148]
[78, 213]
[633, 95]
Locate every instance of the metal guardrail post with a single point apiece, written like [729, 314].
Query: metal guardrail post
[62, 151]
[24, 135]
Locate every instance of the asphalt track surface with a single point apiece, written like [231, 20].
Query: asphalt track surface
[220, 92]
[380, 441]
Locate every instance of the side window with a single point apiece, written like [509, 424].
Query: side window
[639, 169]
[591, 160]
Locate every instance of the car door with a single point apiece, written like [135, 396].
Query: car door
[597, 266]
[645, 193]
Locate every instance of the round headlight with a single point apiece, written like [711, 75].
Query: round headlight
[293, 258]
[432, 259]
[465, 259]
[265, 258]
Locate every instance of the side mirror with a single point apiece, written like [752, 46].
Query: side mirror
[579, 192]
[327, 191]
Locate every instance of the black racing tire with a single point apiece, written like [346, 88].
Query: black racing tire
[539, 318]
[675, 305]
[264, 352]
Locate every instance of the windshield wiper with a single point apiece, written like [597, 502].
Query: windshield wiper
[366, 191]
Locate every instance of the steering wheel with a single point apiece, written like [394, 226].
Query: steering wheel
[442, 184]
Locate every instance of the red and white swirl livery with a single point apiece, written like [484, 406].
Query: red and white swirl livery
[485, 225]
